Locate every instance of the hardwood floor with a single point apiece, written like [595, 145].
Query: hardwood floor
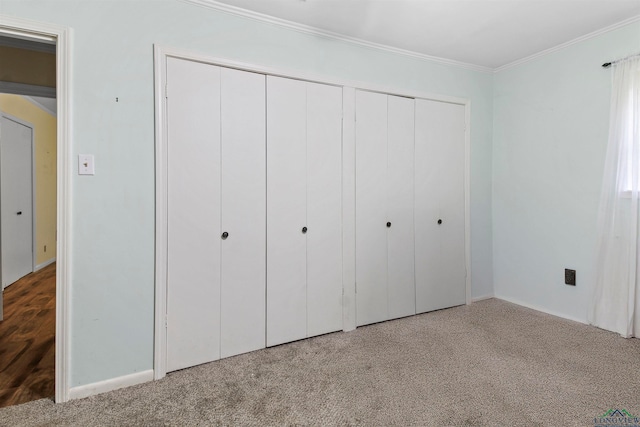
[27, 337]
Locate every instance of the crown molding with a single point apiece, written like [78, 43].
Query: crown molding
[567, 44]
[27, 89]
[306, 29]
[19, 43]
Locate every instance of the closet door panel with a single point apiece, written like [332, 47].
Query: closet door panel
[286, 210]
[371, 202]
[440, 258]
[243, 212]
[193, 243]
[427, 206]
[400, 193]
[324, 209]
[452, 206]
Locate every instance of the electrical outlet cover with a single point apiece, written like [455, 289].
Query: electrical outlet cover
[569, 277]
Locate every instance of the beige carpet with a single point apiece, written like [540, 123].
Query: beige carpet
[488, 364]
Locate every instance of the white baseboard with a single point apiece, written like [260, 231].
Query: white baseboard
[543, 310]
[483, 297]
[44, 264]
[110, 384]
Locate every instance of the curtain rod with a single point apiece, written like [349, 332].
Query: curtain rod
[608, 64]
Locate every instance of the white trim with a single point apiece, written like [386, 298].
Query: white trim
[161, 207]
[39, 105]
[111, 384]
[349, 298]
[307, 29]
[26, 44]
[34, 243]
[540, 309]
[482, 298]
[569, 43]
[33, 30]
[28, 31]
[44, 264]
[467, 199]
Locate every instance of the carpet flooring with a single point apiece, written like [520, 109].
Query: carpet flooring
[491, 363]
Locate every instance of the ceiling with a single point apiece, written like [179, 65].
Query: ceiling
[483, 33]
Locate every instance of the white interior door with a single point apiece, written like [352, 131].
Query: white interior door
[371, 203]
[439, 205]
[286, 210]
[400, 175]
[16, 213]
[324, 209]
[243, 269]
[193, 236]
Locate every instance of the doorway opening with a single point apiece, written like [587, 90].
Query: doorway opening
[27, 220]
[34, 101]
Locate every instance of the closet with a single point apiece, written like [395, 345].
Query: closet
[254, 211]
[304, 209]
[410, 220]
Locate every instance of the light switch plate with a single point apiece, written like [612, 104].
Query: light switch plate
[86, 164]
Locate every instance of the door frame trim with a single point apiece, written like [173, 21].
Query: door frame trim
[160, 55]
[62, 37]
[161, 211]
[33, 186]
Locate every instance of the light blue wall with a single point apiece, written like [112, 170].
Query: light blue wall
[112, 293]
[551, 119]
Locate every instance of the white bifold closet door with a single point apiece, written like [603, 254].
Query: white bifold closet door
[193, 199]
[400, 163]
[216, 213]
[439, 203]
[243, 204]
[304, 261]
[384, 207]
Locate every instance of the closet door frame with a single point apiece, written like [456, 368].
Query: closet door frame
[161, 53]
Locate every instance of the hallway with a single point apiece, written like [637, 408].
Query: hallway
[27, 338]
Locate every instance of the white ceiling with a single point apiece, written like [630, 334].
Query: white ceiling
[479, 32]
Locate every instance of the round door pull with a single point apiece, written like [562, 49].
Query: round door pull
[225, 235]
[304, 230]
[19, 213]
[388, 225]
[439, 221]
